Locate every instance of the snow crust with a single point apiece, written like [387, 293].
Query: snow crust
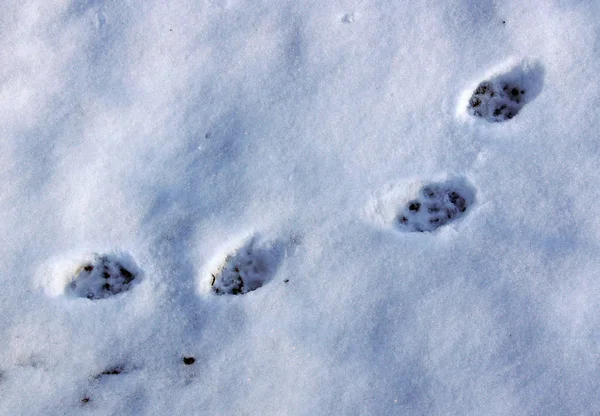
[167, 133]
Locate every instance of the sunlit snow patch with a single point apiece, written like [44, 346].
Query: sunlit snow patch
[503, 92]
[244, 267]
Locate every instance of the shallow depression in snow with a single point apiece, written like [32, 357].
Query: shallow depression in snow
[435, 205]
[506, 91]
[245, 267]
[92, 276]
[418, 205]
[104, 276]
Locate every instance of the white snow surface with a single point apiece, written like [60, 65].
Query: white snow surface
[172, 132]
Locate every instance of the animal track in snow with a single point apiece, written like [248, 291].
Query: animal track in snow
[415, 205]
[435, 205]
[246, 268]
[496, 102]
[504, 93]
[103, 276]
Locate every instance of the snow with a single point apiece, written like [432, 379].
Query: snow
[171, 137]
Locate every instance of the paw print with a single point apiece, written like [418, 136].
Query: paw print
[496, 102]
[103, 276]
[436, 204]
[503, 96]
[247, 268]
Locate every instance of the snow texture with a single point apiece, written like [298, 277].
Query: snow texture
[166, 136]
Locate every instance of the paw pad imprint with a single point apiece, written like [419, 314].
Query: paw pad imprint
[502, 96]
[246, 269]
[103, 276]
[436, 204]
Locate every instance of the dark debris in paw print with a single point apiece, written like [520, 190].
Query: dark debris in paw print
[189, 360]
[247, 268]
[501, 97]
[436, 205]
[103, 276]
[111, 371]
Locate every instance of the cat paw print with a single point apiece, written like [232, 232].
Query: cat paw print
[503, 95]
[497, 102]
[435, 205]
[247, 267]
[103, 276]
